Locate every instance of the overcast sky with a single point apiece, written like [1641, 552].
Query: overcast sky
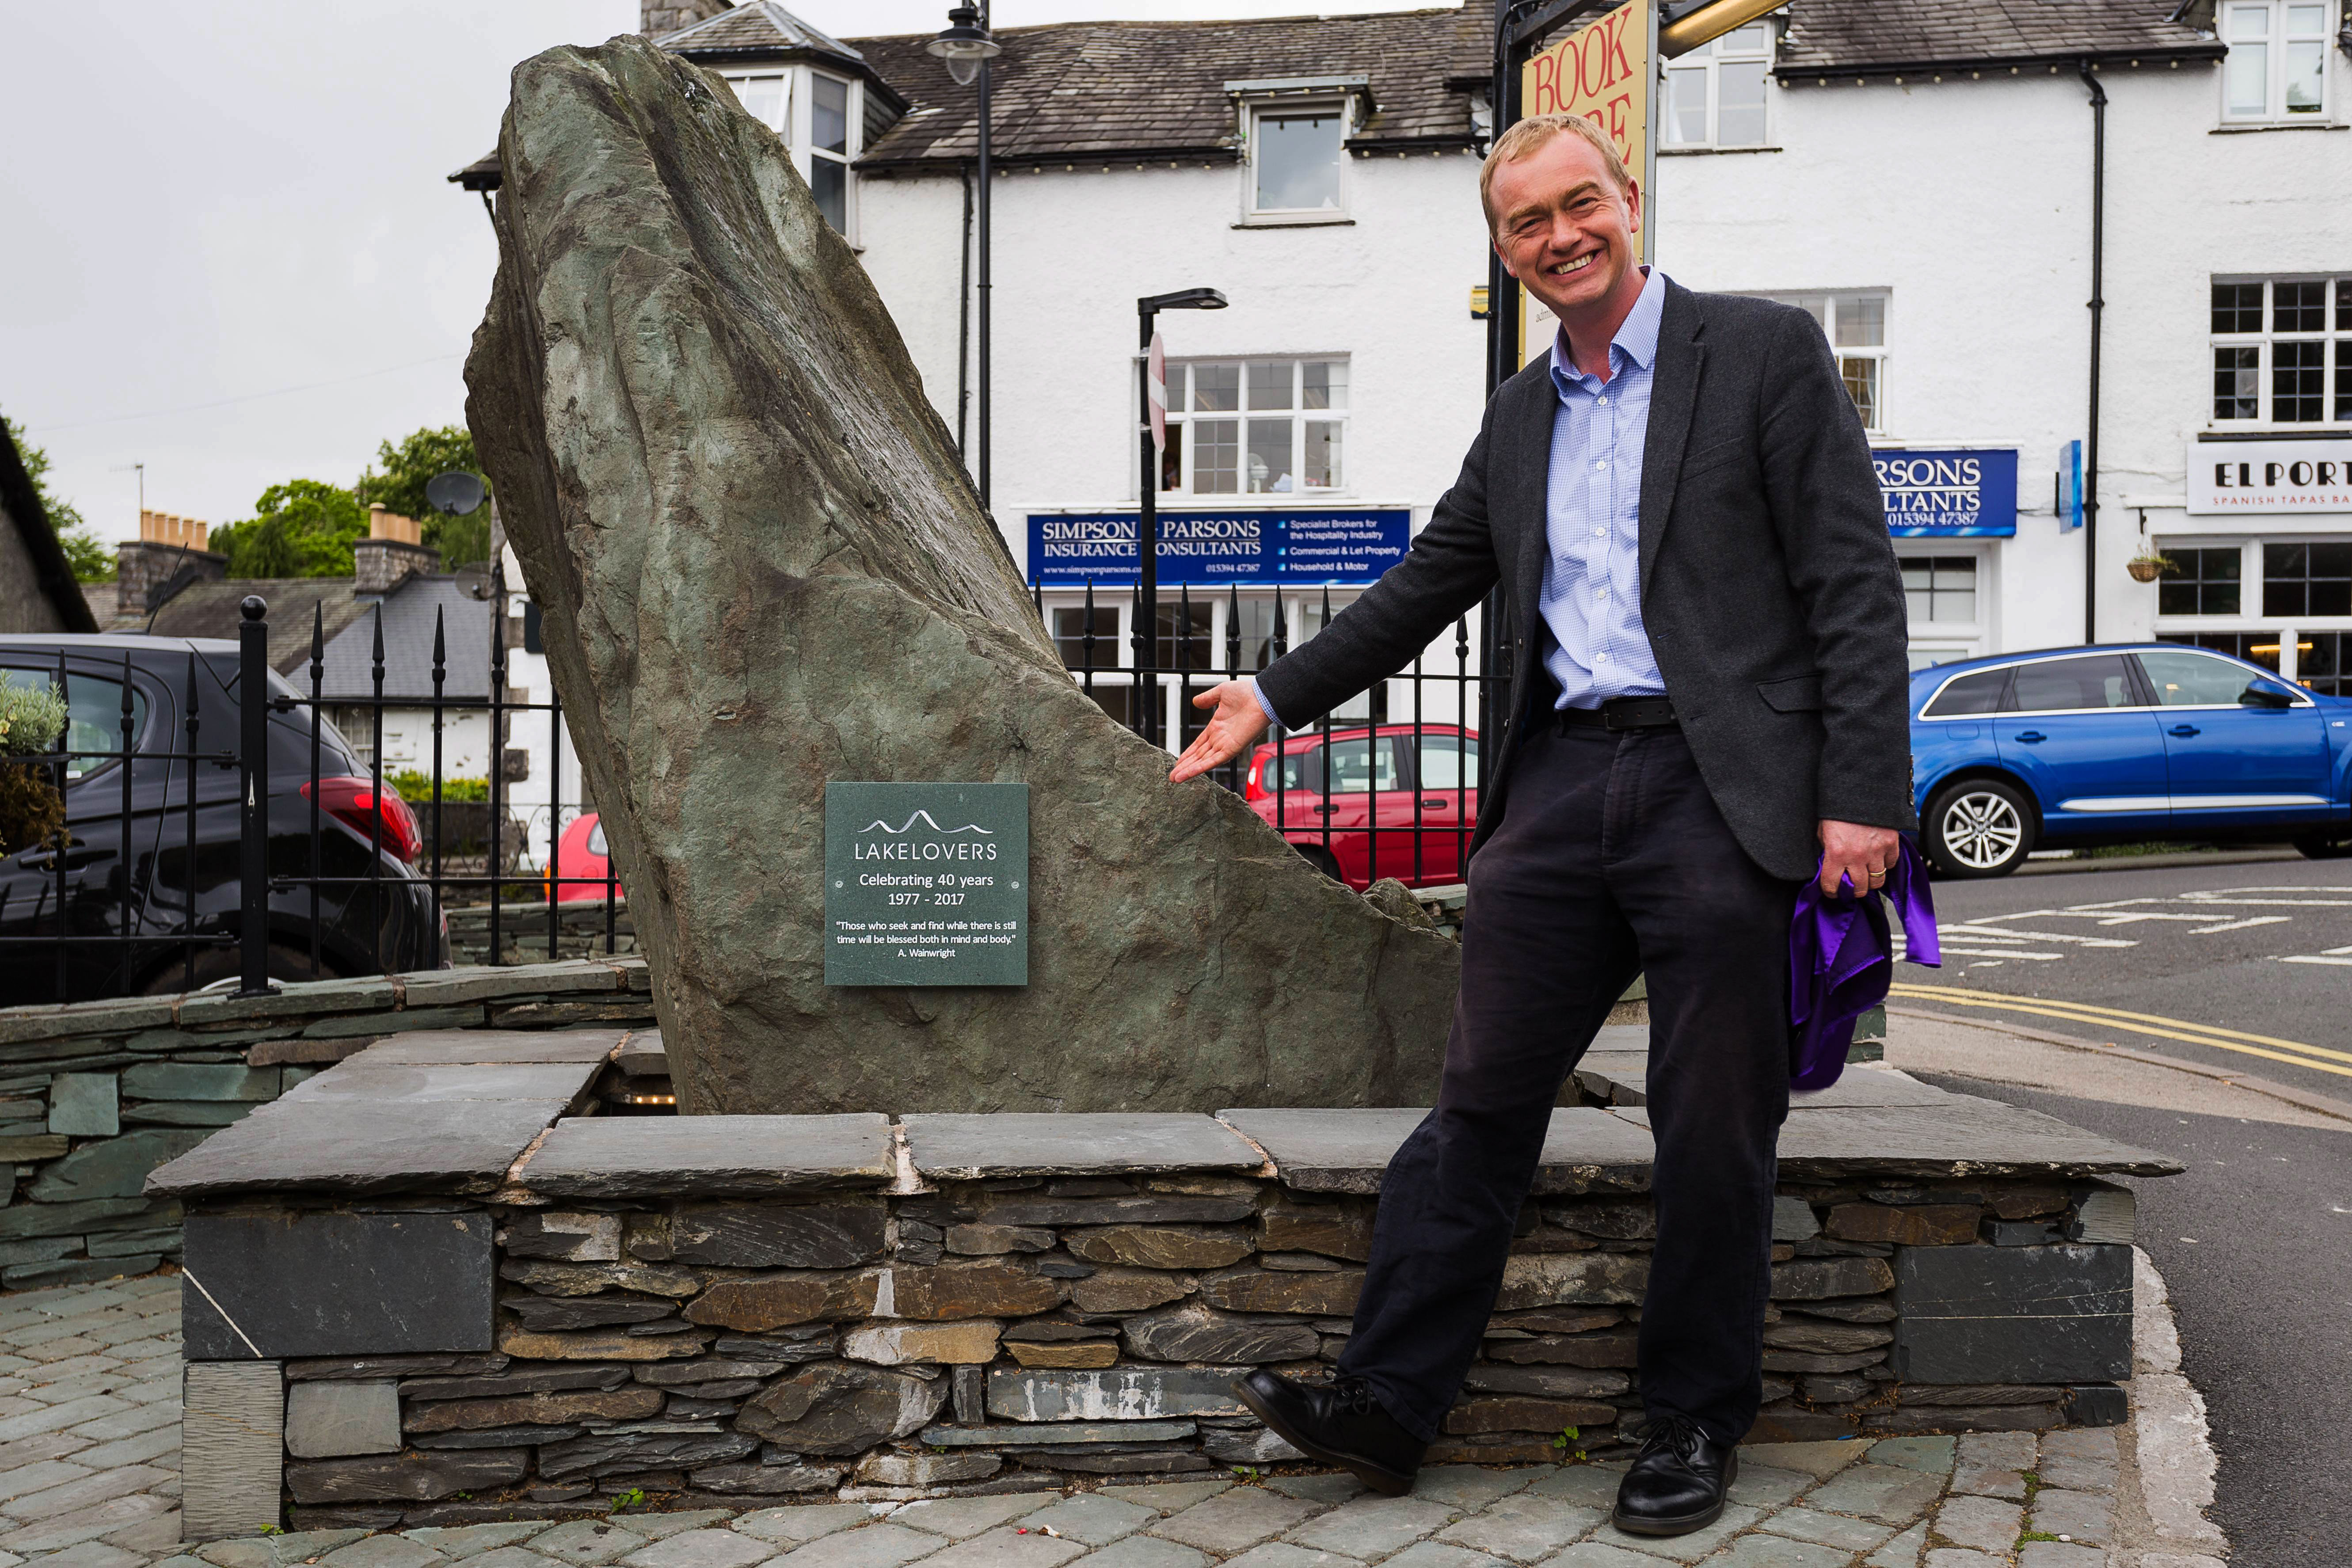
[230, 253]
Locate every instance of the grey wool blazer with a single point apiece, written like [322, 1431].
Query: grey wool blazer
[1770, 589]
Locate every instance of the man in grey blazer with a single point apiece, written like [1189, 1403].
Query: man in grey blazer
[1679, 506]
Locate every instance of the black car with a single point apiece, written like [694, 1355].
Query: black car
[162, 860]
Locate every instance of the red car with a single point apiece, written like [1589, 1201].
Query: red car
[1392, 801]
[581, 853]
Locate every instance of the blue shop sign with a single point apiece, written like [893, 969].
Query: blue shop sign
[1957, 494]
[1241, 548]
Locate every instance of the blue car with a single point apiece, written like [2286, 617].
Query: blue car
[2072, 747]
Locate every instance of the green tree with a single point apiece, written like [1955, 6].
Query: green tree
[303, 528]
[90, 558]
[408, 467]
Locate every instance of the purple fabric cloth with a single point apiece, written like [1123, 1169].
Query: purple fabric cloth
[1840, 958]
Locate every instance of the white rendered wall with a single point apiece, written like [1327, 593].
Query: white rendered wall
[1969, 201]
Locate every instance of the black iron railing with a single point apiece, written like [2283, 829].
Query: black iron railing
[1387, 787]
[335, 873]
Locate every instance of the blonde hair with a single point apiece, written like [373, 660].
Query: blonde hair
[1527, 135]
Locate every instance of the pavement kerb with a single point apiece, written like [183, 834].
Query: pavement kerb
[2156, 862]
[2166, 1476]
[2326, 1105]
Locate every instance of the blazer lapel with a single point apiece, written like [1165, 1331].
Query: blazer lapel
[1673, 394]
[1529, 513]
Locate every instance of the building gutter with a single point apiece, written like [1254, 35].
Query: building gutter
[1858, 70]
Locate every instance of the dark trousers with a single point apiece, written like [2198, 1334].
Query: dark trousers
[1611, 860]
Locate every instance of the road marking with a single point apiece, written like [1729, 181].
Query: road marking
[2309, 958]
[1952, 951]
[2151, 1024]
[2335, 952]
[1971, 928]
[2244, 924]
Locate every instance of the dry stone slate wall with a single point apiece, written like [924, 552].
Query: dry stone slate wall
[93, 1096]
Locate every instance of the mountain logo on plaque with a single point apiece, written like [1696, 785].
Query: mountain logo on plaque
[927, 884]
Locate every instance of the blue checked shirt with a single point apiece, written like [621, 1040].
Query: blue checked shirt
[1591, 597]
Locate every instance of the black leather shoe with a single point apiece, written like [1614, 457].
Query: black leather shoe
[1678, 1483]
[1339, 1423]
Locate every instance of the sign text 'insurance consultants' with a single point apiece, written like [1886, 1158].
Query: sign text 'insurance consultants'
[1966, 493]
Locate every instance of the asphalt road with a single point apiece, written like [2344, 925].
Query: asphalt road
[2254, 1241]
[2251, 963]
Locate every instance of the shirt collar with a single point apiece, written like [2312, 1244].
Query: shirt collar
[1636, 339]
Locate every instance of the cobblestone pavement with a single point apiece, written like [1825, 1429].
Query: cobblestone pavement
[90, 1425]
[89, 1439]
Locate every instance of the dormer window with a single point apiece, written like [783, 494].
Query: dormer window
[1294, 137]
[818, 116]
[1296, 158]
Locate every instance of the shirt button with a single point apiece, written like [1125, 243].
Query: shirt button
[1598, 463]
[1600, 659]
[1599, 531]
[1603, 398]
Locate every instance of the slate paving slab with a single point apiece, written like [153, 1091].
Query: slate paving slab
[1523, 1529]
[874, 1546]
[958, 1147]
[1235, 1521]
[1369, 1527]
[1092, 1518]
[600, 1156]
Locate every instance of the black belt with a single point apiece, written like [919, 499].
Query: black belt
[1621, 713]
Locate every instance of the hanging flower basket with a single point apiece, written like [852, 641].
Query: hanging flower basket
[31, 811]
[2147, 568]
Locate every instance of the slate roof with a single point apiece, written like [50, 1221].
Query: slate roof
[1874, 37]
[21, 508]
[209, 609]
[408, 619]
[762, 27]
[1091, 91]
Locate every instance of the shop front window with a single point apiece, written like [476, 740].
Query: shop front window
[2200, 581]
[2303, 578]
[1255, 428]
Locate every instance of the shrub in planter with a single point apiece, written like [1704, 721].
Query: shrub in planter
[31, 811]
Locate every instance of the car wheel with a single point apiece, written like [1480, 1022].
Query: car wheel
[1979, 828]
[217, 963]
[2323, 845]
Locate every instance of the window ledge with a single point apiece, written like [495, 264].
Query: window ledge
[2275, 433]
[1302, 220]
[2250, 127]
[1709, 152]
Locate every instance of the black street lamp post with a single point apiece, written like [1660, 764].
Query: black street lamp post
[967, 48]
[1146, 630]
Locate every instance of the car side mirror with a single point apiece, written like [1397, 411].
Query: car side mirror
[2265, 697]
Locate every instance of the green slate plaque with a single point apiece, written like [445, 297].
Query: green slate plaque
[927, 884]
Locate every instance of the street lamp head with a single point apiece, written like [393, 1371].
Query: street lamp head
[963, 45]
[1182, 299]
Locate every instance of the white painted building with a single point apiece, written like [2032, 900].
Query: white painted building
[1921, 177]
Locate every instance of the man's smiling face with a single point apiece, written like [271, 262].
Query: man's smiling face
[1563, 229]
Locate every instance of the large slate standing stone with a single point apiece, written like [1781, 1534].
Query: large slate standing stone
[761, 569]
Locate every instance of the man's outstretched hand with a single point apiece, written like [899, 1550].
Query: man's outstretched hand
[1238, 721]
[1862, 856]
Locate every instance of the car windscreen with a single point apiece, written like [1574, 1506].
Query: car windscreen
[1981, 693]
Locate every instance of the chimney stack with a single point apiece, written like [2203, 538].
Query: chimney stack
[656, 17]
[150, 568]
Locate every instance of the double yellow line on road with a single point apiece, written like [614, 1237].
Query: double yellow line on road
[2318, 1058]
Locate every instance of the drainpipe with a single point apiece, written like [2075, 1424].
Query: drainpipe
[963, 324]
[2098, 305]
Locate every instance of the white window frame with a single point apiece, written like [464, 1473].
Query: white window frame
[2335, 360]
[1832, 308]
[1950, 640]
[1252, 109]
[2278, 42]
[798, 128]
[1182, 416]
[1706, 62]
